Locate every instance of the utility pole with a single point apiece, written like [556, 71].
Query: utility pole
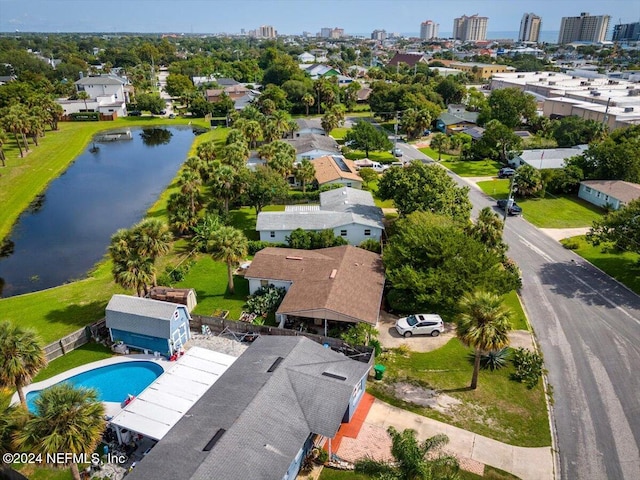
[395, 137]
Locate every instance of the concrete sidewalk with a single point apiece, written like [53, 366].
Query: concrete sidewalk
[473, 451]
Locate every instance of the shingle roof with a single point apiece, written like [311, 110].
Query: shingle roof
[309, 123]
[342, 206]
[409, 58]
[618, 189]
[100, 80]
[140, 315]
[307, 143]
[353, 294]
[327, 170]
[266, 416]
[461, 117]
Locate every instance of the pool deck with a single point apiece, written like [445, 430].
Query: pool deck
[111, 408]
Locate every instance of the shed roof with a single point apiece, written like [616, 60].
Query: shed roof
[264, 417]
[141, 315]
[624, 191]
[344, 282]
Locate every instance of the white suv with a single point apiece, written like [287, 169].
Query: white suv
[420, 324]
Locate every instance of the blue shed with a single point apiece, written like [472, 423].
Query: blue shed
[147, 324]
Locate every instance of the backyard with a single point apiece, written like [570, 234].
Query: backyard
[553, 211]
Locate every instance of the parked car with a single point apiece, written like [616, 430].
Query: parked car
[163, 112]
[515, 209]
[426, 133]
[171, 115]
[506, 172]
[420, 324]
[397, 152]
[135, 113]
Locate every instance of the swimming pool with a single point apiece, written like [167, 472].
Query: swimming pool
[112, 382]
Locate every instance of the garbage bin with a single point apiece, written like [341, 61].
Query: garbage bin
[379, 371]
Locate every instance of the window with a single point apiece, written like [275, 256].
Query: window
[348, 184]
[272, 234]
[264, 283]
[343, 233]
[606, 198]
[587, 189]
[597, 194]
[367, 232]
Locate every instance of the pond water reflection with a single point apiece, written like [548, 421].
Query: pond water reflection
[66, 230]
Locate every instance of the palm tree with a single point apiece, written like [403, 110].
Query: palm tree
[329, 121]
[252, 131]
[413, 460]
[308, 101]
[22, 357]
[281, 121]
[13, 121]
[153, 239]
[228, 245]
[67, 419]
[235, 154]
[223, 183]
[12, 419]
[270, 130]
[305, 172]
[82, 95]
[483, 325]
[3, 139]
[131, 270]
[439, 142]
[189, 183]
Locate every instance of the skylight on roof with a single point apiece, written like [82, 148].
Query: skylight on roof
[214, 440]
[333, 375]
[275, 364]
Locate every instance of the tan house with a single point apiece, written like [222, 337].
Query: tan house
[335, 169]
[234, 92]
[341, 284]
[482, 71]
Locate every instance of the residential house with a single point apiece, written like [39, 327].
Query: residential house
[613, 194]
[482, 71]
[336, 170]
[306, 57]
[410, 59]
[259, 420]
[108, 94]
[239, 94]
[475, 132]
[363, 95]
[337, 284]
[146, 324]
[317, 71]
[352, 214]
[456, 119]
[308, 126]
[198, 81]
[542, 158]
[312, 145]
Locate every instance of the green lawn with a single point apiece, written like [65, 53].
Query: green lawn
[376, 156]
[24, 178]
[332, 474]
[499, 408]
[519, 320]
[209, 279]
[480, 168]
[339, 133]
[88, 353]
[566, 211]
[373, 188]
[623, 266]
[430, 152]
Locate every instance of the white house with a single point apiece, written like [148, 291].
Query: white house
[613, 193]
[306, 57]
[103, 86]
[311, 146]
[541, 158]
[336, 170]
[308, 126]
[350, 213]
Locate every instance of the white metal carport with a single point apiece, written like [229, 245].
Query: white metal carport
[163, 403]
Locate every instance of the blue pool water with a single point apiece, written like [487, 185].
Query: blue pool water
[112, 382]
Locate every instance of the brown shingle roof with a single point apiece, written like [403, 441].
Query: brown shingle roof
[353, 294]
[618, 189]
[410, 59]
[328, 171]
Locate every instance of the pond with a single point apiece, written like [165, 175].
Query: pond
[111, 185]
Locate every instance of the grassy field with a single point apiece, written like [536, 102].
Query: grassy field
[519, 320]
[430, 152]
[373, 188]
[24, 178]
[623, 266]
[376, 156]
[339, 133]
[88, 353]
[472, 169]
[499, 408]
[566, 211]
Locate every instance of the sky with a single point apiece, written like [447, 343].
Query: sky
[291, 16]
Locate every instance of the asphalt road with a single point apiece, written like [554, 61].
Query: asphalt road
[588, 327]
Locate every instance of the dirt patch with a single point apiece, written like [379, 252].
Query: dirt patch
[425, 397]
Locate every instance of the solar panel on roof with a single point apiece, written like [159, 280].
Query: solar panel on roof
[341, 164]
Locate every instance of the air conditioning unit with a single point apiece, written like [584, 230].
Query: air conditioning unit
[520, 76]
[628, 109]
[552, 83]
[634, 92]
[596, 93]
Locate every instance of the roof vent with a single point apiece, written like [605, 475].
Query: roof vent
[333, 375]
[628, 109]
[291, 257]
[334, 272]
[275, 364]
[214, 440]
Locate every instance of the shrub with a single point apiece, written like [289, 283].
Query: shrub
[177, 274]
[371, 245]
[570, 243]
[265, 300]
[256, 245]
[494, 360]
[529, 367]
[85, 116]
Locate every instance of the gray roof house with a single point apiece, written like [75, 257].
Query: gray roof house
[312, 146]
[349, 212]
[612, 193]
[147, 324]
[307, 126]
[262, 415]
[542, 158]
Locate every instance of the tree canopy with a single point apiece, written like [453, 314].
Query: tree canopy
[364, 136]
[511, 106]
[426, 188]
[621, 228]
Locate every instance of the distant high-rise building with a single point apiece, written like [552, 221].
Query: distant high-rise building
[626, 32]
[379, 35]
[325, 32]
[470, 29]
[266, 31]
[530, 28]
[585, 28]
[429, 30]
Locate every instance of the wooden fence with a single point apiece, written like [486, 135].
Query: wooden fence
[73, 340]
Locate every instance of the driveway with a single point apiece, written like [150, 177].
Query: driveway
[389, 338]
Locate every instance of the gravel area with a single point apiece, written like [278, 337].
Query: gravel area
[227, 345]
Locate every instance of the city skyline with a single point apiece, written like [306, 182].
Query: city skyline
[290, 16]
